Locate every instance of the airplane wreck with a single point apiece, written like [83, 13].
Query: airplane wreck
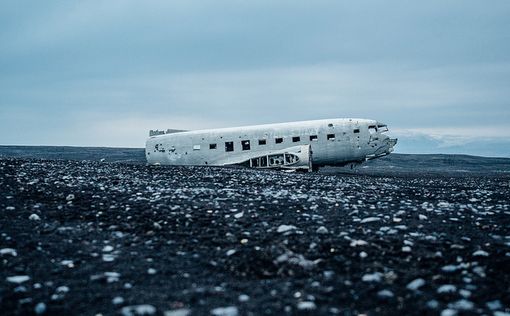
[306, 145]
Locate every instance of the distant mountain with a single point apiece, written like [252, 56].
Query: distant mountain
[125, 155]
[425, 144]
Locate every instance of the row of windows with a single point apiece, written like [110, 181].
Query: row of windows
[245, 144]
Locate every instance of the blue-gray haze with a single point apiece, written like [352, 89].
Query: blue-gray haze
[102, 73]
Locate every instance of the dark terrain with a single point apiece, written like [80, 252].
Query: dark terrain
[406, 235]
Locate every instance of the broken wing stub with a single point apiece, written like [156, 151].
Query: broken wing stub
[292, 158]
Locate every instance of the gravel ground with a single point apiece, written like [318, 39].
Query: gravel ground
[101, 238]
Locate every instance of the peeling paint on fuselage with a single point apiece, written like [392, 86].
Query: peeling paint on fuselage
[193, 147]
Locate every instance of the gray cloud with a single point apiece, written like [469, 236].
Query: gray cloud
[73, 69]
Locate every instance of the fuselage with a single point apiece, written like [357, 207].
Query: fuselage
[333, 142]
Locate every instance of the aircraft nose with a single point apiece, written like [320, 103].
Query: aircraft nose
[385, 147]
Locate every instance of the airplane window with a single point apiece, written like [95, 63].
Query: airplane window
[313, 138]
[372, 129]
[229, 146]
[278, 140]
[330, 125]
[331, 136]
[356, 130]
[212, 146]
[196, 147]
[296, 139]
[245, 144]
[262, 141]
[382, 128]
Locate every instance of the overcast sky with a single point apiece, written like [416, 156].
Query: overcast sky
[102, 73]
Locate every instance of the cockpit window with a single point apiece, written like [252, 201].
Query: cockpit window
[382, 128]
[372, 129]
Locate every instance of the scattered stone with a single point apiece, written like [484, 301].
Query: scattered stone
[118, 300]
[322, 230]
[406, 249]
[230, 252]
[62, 289]
[151, 271]
[178, 312]
[40, 308]
[18, 279]
[494, 305]
[463, 305]
[432, 304]
[243, 298]
[108, 248]
[285, 228]
[138, 310]
[8, 251]
[448, 312]
[370, 220]
[385, 294]
[108, 258]
[225, 311]
[422, 217]
[372, 277]
[34, 217]
[447, 288]
[70, 197]
[415, 284]
[480, 253]
[356, 243]
[306, 305]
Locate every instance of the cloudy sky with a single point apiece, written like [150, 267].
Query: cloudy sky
[102, 73]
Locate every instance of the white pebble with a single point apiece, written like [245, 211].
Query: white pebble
[370, 220]
[107, 248]
[447, 288]
[108, 258]
[151, 271]
[178, 312]
[117, 300]
[225, 311]
[18, 278]
[415, 284]
[322, 230]
[135, 310]
[372, 277]
[62, 289]
[8, 251]
[448, 312]
[285, 228]
[243, 298]
[494, 305]
[34, 217]
[306, 305]
[40, 308]
[462, 304]
[480, 253]
[385, 294]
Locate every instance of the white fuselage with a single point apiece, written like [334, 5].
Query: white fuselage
[332, 141]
